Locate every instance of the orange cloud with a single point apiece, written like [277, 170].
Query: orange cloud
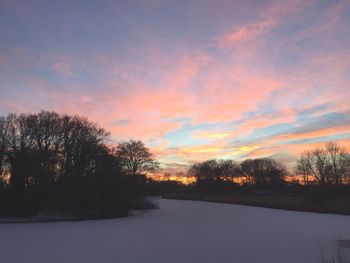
[315, 134]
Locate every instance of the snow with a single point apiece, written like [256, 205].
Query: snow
[180, 231]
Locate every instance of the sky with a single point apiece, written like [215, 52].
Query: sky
[194, 80]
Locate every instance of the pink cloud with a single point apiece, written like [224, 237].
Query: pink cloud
[232, 90]
[267, 19]
[244, 33]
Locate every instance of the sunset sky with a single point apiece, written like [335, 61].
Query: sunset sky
[193, 79]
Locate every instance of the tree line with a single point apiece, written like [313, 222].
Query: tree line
[264, 173]
[325, 166]
[63, 161]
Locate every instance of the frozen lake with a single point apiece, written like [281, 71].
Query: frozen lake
[180, 231]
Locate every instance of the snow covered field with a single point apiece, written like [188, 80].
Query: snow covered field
[180, 231]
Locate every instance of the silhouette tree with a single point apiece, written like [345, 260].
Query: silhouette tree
[81, 140]
[205, 171]
[4, 140]
[329, 165]
[21, 158]
[214, 170]
[62, 162]
[264, 173]
[136, 159]
[303, 168]
[167, 176]
[228, 169]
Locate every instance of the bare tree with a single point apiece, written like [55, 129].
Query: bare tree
[39, 149]
[81, 141]
[205, 171]
[339, 162]
[21, 157]
[4, 141]
[228, 169]
[136, 158]
[329, 165]
[264, 173]
[303, 168]
[214, 170]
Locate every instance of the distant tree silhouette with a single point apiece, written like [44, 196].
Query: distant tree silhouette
[229, 169]
[204, 171]
[214, 175]
[303, 168]
[329, 165]
[136, 159]
[180, 174]
[264, 173]
[167, 176]
[214, 170]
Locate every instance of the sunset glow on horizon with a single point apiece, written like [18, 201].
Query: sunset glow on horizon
[194, 80]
